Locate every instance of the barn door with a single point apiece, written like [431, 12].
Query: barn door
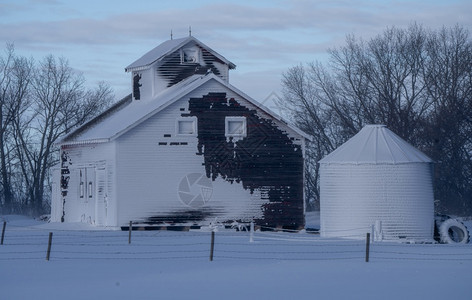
[101, 195]
[89, 194]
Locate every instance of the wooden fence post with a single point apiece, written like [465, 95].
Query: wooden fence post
[130, 229]
[367, 246]
[3, 231]
[212, 247]
[49, 246]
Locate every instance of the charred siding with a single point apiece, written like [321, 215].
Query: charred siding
[266, 159]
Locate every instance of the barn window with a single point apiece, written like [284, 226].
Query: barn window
[187, 126]
[235, 127]
[190, 55]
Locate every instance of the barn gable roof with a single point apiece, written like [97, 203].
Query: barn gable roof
[375, 144]
[168, 47]
[112, 124]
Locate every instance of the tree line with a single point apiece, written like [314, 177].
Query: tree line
[417, 81]
[39, 102]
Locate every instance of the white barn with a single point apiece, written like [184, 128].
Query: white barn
[185, 147]
[377, 179]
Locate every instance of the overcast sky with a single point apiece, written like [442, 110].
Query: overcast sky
[263, 38]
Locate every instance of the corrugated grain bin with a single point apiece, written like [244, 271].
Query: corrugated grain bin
[377, 179]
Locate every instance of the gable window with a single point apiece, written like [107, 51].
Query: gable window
[190, 55]
[187, 126]
[235, 127]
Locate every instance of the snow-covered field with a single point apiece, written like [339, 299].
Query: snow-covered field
[87, 263]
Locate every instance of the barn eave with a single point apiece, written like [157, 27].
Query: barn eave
[84, 142]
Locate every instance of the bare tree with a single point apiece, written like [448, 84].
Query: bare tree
[59, 103]
[39, 102]
[415, 81]
[312, 116]
[448, 76]
[15, 77]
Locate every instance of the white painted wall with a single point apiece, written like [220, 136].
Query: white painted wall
[149, 174]
[224, 70]
[136, 176]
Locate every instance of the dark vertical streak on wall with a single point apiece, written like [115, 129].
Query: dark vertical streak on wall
[65, 177]
[266, 159]
[136, 86]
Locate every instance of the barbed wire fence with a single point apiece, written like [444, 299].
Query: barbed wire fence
[31, 243]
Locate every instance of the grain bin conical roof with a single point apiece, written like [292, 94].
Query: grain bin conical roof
[375, 144]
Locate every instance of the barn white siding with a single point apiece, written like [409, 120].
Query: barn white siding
[89, 193]
[162, 159]
[231, 160]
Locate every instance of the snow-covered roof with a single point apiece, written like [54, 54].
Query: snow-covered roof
[120, 121]
[376, 144]
[168, 47]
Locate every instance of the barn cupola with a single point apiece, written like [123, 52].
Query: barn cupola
[173, 61]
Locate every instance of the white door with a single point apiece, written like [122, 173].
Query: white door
[101, 197]
[90, 197]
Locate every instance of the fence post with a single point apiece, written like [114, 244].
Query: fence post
[49, 246]
[367, 246]
[3, 231]
[130, 229]
[212, 247]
